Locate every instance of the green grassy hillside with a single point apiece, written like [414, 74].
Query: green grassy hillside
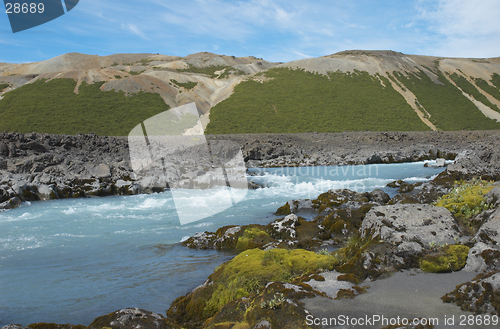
[276, 100]
[295, 101]
[448, 107]
[495, 92]
[53, 107]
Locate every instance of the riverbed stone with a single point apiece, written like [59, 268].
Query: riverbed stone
[493, 197]
[424, 224]
[480, 295]
[478, 260]
[132, 318]
[489, 232]
[379, 196]
[483, 161]
[330, 285]
[11, 203]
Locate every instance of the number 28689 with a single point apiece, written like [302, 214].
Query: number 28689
[25, 8]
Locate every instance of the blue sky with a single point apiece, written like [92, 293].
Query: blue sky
[275, 30]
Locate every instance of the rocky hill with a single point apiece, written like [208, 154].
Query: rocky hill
[350, 90]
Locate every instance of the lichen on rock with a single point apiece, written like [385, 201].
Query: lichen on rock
[424, 224]
[481, 295]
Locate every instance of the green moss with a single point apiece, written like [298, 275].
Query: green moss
[252, 238]
[53, 107]
[272, 304]
[231, 281]
[348, 277]
[335, 198]
[466, 198]
[352, 259]
[352, 247]
[450, 258]
[338, 226]
[283, 210]
[295, 101]
[43, 325]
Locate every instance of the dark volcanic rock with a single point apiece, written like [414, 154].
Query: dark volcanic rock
[91, 165]
[273, 150]
[427, 192]
[11, 203]
[44, 167]
[483, 160]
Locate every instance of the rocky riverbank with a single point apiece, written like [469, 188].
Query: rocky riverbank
[352, 239]
[43, 167]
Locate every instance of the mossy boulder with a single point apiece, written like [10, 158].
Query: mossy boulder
[447, 259]
[288, 232]
[295, 207]
[43, 325]
[253, 237]
[334, 199]
[346, 221]
[283, 210]
[359, 259]
[244, 275]
[275, 306]
[294, 231]
[225, 237]
[397, 184]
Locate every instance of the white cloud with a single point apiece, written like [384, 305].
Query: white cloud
[230, 20]
[465, 18]
[301, 54]
[462, 28]
[134, 29]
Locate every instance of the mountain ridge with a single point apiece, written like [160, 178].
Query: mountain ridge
[213, 79]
